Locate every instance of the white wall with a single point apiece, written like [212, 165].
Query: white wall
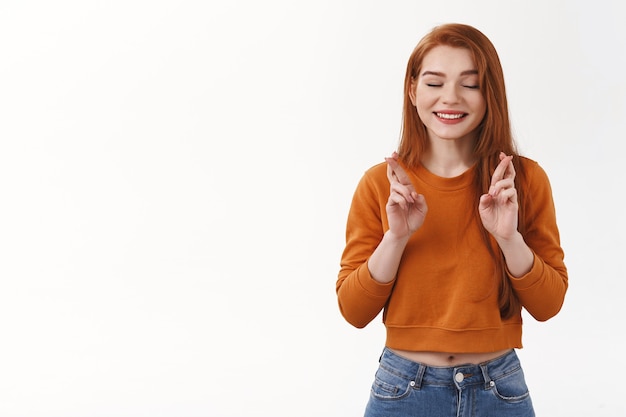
[175, 177]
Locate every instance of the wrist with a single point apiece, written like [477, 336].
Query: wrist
[516, 240]
[394, 239]
[518, 256]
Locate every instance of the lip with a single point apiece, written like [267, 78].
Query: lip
[454, 116]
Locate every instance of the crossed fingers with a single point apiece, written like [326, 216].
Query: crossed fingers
[503, 178]
[402, 191]
[395, 172]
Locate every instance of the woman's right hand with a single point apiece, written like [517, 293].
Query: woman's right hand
[406, 209]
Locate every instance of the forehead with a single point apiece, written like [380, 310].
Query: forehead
[448, 60]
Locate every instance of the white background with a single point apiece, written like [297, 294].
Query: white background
[175, 178]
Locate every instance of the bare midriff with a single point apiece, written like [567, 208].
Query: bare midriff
[449, 359]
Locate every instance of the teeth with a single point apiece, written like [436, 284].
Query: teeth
[450, 116]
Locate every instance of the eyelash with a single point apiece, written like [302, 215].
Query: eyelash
[473, 87]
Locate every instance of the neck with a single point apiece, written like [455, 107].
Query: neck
[448, 158]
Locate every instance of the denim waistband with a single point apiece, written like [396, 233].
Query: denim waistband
[462, 375]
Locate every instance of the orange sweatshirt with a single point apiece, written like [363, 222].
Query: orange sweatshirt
[445, 295]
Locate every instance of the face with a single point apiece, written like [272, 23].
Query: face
[447, 95]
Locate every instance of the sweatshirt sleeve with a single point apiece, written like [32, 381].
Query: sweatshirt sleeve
[360, 297]
[542, 290]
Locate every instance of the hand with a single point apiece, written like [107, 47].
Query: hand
[406, 209]
[498, 208]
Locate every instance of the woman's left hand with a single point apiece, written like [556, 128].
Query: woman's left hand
[499, 209]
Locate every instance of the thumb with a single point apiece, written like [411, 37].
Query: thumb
[486, 200]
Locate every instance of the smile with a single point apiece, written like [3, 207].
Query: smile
[450, 116]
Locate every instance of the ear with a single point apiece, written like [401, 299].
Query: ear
[412, 88]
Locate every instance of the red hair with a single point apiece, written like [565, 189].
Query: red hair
[494, 134]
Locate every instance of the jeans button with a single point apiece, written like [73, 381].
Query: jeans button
[459, 377]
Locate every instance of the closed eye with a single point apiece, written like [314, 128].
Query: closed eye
[473, 87]
[434, 85]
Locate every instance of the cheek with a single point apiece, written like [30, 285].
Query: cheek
[424, 105]
[482, 111]
[423, 99]
[424, 115]
[481, 105]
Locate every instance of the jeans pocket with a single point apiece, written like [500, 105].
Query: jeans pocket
[390, 385]
[511, 387]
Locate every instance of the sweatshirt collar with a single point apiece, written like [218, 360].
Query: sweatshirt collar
[449, 184]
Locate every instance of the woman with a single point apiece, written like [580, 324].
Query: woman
[451, 237]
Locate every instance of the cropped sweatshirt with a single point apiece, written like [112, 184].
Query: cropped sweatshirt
[445, 294]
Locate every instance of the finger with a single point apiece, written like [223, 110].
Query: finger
[420, 202]
[498, 173]
[501, 185]
[501, 170]
[507, 195]
[405, 191]
[397, 199]
[399, 172]
[390, 174]
[510, 170]
[486, 201]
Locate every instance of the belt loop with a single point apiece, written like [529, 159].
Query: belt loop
[488, 382]
[419, 377]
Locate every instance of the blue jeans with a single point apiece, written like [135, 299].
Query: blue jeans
[404, 388]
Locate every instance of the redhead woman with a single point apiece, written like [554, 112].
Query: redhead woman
[451, 237]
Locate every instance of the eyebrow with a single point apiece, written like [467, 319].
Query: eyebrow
[441, 74]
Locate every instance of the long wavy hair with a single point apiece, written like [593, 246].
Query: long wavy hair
[494, 134]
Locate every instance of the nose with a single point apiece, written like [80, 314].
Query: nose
[450, 94]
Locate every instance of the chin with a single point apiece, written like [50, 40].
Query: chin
[451, 137]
